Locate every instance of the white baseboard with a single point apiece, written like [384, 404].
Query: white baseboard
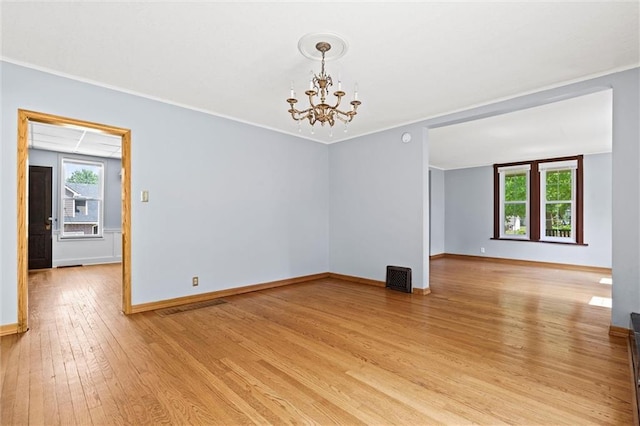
[87, 261]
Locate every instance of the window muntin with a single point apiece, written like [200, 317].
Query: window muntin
[82, 191]
[555, 197]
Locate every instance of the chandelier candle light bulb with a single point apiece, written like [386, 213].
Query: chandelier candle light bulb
[319, 85]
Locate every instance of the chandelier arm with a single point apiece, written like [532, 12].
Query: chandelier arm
[297, 111]
[311, 95]
[338, 95]
[301, 118]
[349, 114]
[348, 118]
[300, 115]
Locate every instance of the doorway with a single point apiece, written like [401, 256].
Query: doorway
[466, 150]
[24, 118]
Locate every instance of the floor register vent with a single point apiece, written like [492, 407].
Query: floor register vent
[399, 278]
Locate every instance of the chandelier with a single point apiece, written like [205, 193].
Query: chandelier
[319, 110]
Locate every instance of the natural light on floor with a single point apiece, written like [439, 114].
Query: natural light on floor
[605, 302]
[606, 281]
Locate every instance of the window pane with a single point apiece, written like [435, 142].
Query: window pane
[81, 199]
[85, 221]
[515, 187]
[559, 185]
[515, 219]
[558, 220]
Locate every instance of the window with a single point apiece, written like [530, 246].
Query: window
[82, 198]
[558, 195]
[514, 207]
[539, 200]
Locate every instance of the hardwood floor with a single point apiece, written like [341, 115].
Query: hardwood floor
[492, 344]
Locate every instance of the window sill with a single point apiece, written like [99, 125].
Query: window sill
[566, 243]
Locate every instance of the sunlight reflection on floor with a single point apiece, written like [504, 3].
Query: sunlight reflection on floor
[605, 302]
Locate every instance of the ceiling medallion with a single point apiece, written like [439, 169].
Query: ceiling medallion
[319, 110]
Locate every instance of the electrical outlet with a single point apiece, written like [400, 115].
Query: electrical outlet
[481, 249]
[194, 281]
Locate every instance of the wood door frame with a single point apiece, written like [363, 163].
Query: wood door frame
[24, 116]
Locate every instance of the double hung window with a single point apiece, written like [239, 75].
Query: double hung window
[515, 204]
[539, 200]
[558, 201]
[81, 192]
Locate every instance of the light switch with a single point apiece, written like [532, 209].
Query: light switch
[144, 196]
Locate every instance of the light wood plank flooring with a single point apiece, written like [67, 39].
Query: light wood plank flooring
[492, 344]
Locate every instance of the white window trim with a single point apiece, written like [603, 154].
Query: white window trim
[515, 169]
[552, 167]
[558, 165]
[506, 171]
[102, 174]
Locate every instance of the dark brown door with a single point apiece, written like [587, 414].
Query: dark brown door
[39, 217]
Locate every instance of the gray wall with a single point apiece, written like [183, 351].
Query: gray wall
[626, 201]
[229, 202]
[469, 218]
[437, 204]
[376, 205]
[112, 183]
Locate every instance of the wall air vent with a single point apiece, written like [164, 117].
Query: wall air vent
[399, 278]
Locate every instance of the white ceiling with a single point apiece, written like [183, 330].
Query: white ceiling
[411, 60]
[73, 140]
